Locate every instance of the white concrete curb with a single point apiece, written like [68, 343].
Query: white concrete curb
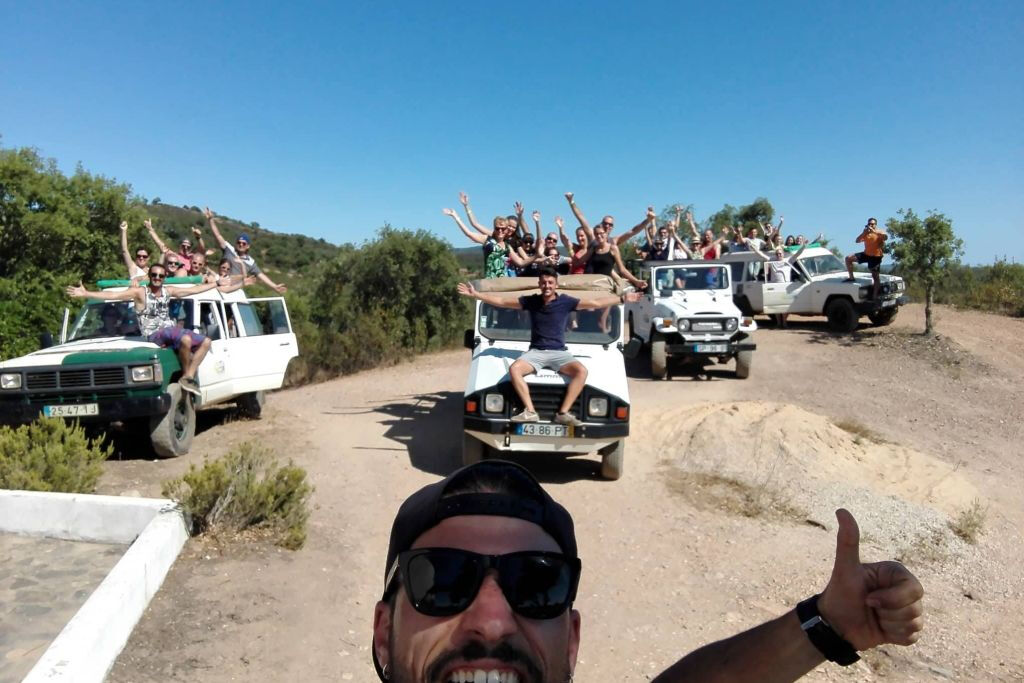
[87, 647]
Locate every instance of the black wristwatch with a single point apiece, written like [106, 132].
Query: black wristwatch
[822, 636]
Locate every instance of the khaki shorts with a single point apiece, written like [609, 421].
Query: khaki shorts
[540, 359]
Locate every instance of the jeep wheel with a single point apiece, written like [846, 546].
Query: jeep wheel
[473, 450]
[743, 361]
[611, 459]
[659, 356]
[882, 318]
[251, 405]
[841, 315]
[171, 434]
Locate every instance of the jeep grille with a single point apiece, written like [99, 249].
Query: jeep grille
[74, 379]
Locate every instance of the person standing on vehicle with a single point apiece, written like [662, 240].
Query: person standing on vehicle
[549, 311]
[874, 242]
[242, 263]
[153, 309]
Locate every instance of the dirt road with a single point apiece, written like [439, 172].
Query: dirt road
[716, 525]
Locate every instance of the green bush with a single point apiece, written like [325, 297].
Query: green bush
[50, 455]
[247, 488]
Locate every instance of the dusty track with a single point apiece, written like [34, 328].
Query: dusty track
[670, 559]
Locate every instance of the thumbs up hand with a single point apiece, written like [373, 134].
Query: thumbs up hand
[870, 604]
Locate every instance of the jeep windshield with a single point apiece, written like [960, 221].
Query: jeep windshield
[822, 265]
[689, 278]
[583, 327]
[99, 319]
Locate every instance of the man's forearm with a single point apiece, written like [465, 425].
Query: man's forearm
[495, 300]
[777, 651]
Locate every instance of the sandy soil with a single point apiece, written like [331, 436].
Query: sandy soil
[722, 519]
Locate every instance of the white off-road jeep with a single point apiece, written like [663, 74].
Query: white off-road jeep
[500, 335]
[687, 314]
[819, 287]
[103, 372]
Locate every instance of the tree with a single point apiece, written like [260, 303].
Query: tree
[925, 250]
[758, 210]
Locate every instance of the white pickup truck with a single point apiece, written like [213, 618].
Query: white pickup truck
[500, 335]
[103, 371]
[819, 286]
[687, 314]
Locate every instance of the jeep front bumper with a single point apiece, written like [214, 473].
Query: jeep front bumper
[709, 348]
[875, 305]
[19, 410]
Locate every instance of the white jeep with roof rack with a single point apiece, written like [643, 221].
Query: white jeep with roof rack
[500, 335]
[687, 314]
[819, 286]
[107, 373]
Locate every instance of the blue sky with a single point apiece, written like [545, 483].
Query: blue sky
[331, 119]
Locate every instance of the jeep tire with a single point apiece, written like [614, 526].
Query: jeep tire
[611, 459]
[171, 434]
[883, 317]
[659, 356]
[473, 450]
[743, 361]
[250, 405]
[842, 317]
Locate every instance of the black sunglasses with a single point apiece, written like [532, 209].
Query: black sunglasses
[441, 582]
[157, 276]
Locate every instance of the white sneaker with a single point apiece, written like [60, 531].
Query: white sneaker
[189, 385]
[525, 416]
[568, 419]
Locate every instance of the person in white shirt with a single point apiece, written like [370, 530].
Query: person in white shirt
[779, 266]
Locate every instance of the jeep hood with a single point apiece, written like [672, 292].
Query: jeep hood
[98, 350]
[605, 367]
[697, 302]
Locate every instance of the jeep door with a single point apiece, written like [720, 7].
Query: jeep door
[216, 372]
[264, 345]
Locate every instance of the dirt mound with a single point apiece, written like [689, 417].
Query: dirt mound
[777, 460]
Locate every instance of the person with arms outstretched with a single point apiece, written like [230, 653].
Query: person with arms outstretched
[608, 223]
[242, 263]
[549, 312]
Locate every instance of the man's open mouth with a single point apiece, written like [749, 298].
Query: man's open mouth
[467, 675]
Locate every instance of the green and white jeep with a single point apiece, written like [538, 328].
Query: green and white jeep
[103, 372]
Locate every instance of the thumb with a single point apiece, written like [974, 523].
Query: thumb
[847, 543]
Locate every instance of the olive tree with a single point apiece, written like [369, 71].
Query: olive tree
[924, 249]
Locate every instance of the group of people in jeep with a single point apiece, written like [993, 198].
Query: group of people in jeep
[153, 299]
[511, 250]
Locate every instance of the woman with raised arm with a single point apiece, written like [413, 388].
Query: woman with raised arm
[496, 252]
[577, 251]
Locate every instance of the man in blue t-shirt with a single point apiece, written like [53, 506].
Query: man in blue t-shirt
[549, 312]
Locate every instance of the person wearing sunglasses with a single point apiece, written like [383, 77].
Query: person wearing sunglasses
[138, 264]
[177, 262]
[153, 309]
[483, 568]
[242, 263]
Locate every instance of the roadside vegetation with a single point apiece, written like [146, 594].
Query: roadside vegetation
[247, 489]
[970, 522]
[50, 455]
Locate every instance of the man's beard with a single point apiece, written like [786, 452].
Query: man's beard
[503, 652]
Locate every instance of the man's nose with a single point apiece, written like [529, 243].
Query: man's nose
[489, 617]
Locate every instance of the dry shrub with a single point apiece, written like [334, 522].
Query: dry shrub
[246, 489]
[50, 455]
[970, 522]
[707, 491]
[859, 431]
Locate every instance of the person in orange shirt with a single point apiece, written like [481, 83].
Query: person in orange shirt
[874, 241]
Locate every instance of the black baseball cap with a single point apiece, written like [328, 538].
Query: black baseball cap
[471, 491]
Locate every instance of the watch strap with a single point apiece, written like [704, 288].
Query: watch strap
[822, 635]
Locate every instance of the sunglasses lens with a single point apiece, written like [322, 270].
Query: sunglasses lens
[537, 585]
[443, 582]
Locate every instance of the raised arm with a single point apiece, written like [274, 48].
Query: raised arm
[475, 236]
[569, 196]
[467, 289]
[213, 228]
[280, 289]
[693, 226]
[866, 605]
[230, 284]
[80, 292]
[464, 200]
[566, 242]
[760, 254]
[647, 221]
[639, 284]
[156, 238]
[536, 227]
[178, 291]
[680, 244]
[200, 244]
[129, 263]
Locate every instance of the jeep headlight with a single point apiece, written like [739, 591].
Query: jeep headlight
[494, 403]
[142, 373]
[863, 292]
[731, 324]
[597, 407]
[10, 380]
[682, 325]
[667, 322]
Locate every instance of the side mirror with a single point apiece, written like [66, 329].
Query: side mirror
[45, 340]
[632, 348]
[470, 340]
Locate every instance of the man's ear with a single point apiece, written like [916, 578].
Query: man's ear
[382, 632]
[574, 638]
